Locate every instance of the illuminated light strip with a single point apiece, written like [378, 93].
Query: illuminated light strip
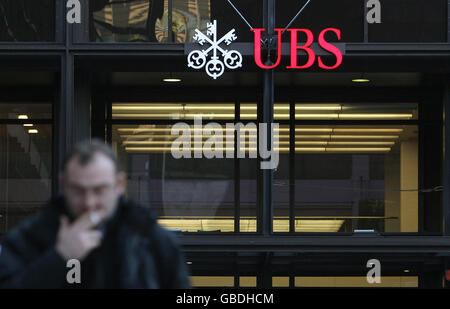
[348, 136]
[181, 107]
[128, 142]
[191, 128]
[175, 136]
[360, 143]
[337, 130]
[377, 116]
[321, 107]
[175, 108]
[162, 108]
[342, 143]
[254, 136]
[253, 116]
[144, 149]
[280, 218]
[336, 149]
[356, 149]
[379, 130]
[354, 116]
[227, 225]
[170, 116]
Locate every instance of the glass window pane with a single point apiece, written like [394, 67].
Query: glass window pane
[369, 174]
[189, 194]
[349, 111]
[281, 182]
[248, 170]
[346, 15]
[27, 21]
[25, 172]
[411, 21]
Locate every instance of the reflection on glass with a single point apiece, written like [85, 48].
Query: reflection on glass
[27, 20]
[148, 20]
[25, 172]
[369, 175]
[18, 110]
[188, 16]
[125, 21]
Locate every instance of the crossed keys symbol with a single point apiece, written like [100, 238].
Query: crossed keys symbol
[215, 67]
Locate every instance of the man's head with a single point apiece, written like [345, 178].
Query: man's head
[91, 179]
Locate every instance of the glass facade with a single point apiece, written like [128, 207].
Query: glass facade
[369, 172]
[352, 156]
[25, 161]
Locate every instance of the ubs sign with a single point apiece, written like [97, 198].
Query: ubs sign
[215, 59]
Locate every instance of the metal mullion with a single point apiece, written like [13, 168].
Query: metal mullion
[292, 168]
[169, 22]
[109, 122]
[65, 108]
[421, 178]
[55, 146]
[237, 174]
[267, 117]
[447, 160]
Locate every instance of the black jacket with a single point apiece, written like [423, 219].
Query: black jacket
[141, 253]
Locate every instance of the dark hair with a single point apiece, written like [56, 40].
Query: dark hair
[85, 151]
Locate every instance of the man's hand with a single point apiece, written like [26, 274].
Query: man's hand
[77, 240]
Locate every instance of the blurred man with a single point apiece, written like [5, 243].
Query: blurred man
[118, 244]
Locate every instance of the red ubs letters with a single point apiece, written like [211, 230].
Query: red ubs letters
[294, 48]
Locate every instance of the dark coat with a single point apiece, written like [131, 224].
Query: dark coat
[143, 254]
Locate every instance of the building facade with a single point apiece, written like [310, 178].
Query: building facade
[364, 159]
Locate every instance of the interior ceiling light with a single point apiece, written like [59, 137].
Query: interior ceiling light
[171, 79]
[33, 131]
[28, 125]
[361, 79]
[22, 117]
